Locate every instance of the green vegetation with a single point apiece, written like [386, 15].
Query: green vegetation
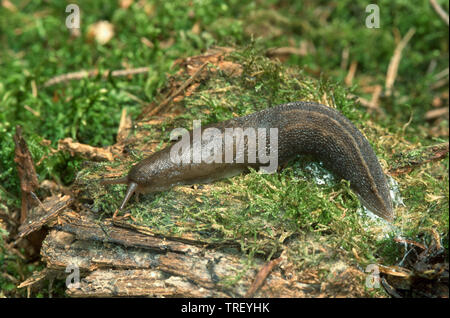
[257, 212]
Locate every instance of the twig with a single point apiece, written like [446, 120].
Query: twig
[402, 240]
[169, 99]
[376, 95]
[85, 151]
[286, 51]
[128, 72]
[440, 11]
[351, 73]
[436, 113]
[70, 77]
[437, 239]
[344, 58]
[31, 110]
[124, 126]
[441, 74]
[261, 276]
[34, 90]
[395, 61]
[364, 102]
[389, 289]
[92, 73]
[441, 79]
[439, 83]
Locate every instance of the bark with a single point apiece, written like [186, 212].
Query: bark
[115, 261]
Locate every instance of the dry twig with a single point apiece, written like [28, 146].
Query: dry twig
[436, 113]
[351, 73]
[169, 99]
[262, 275]
[286, 51]
[85, 151]
[440, 11]
[124, 126]
[366, 103]
[92, 73]
[391, 74]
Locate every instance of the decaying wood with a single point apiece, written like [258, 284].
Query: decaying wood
[85, 151]
[118, 261]
[139, 283]
[35, 278]
[27, 173]
[50, 209]
[423, 273]
[149, 266]
[84, 228]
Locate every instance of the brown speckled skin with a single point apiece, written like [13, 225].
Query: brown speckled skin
[303, 128]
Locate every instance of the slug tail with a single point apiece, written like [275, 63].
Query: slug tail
[132, 186]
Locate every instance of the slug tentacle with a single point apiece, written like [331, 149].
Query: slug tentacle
[132, 186]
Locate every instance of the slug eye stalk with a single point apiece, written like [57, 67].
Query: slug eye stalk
[131, 189]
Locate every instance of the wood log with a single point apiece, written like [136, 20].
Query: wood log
[117, 262]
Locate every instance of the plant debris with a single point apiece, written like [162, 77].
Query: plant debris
[424, 271]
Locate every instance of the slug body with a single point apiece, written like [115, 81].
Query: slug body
[303, 128]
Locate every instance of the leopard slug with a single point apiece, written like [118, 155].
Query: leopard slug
[302, 127]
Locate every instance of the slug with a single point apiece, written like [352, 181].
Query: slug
[302, 128]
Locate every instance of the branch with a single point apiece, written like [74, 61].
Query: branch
[440, 11]
[395, 61]
[92, 73]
